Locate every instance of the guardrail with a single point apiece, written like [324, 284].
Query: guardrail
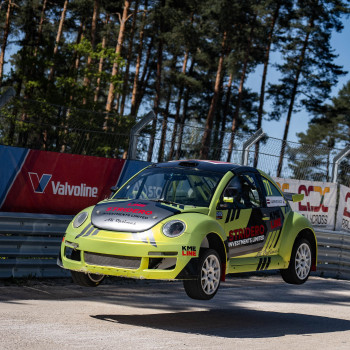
[333, 254]
[30, 243]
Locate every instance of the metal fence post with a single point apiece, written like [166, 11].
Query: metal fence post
[135, 132]
[336, 162]
[6, 96]
[249, 143]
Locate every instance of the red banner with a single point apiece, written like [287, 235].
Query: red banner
[58, 183]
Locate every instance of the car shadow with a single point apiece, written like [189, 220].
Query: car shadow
[233, 323]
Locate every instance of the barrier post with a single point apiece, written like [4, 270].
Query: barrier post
[249, 143]
[336, 162]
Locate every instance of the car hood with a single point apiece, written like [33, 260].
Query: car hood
[131, 215]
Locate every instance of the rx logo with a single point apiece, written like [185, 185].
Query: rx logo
[307, 191]
[39, 185]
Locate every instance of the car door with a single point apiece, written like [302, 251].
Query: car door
[275, 210]
[245, 223]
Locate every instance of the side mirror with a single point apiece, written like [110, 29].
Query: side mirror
[113, 189]
[293, 197]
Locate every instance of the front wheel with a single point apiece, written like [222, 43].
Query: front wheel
[207, 283]
[87, 279]
[300, 263]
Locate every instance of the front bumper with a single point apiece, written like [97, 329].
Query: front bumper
[128, 258]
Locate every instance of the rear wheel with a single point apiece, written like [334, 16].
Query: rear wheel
[87, 279]
[207, 283]
[300, 263]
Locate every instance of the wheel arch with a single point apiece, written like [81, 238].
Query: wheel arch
[309, 235]
[214, 241]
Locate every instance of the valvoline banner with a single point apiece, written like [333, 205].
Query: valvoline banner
[34, 181]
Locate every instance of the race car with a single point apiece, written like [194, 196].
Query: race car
[191, 220]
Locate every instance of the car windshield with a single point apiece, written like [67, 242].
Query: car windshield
[175, 185]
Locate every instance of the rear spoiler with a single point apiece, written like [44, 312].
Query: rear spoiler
[293, 197]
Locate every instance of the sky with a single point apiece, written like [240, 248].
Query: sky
[299, 123]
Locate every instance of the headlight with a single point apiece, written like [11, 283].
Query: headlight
[174, 228]
[80, 219]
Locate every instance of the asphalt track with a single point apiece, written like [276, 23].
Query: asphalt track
[252, 312]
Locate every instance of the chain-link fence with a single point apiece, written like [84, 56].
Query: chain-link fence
[38, 125]
[166, 140]
[49, 127]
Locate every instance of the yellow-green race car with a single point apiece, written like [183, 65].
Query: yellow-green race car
[194, 221]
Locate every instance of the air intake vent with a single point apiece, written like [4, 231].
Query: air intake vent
[125, 262]
[189, 164]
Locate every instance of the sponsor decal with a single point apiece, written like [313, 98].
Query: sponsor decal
[70, 190]
[275, 201]
[307, 191]
[137, 205]
[343, 215]
[319, 203]
[189, 250]
[58, 188]
[39, 185]
[129, 210]
[246, 235]
[219, 215]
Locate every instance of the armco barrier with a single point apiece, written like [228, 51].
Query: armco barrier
[30, 243]
[333, 254]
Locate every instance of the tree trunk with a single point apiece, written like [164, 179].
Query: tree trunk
[100, 64]
[178, 107]
[58, 38]
[166, 114]
[118, 50]
[157, 98]
[164, 126]
[184, 115]
[128, 60]
[263, 80]
[240, 95]
[293, 96]
[4, 41]
[210, 117]
[138, 64]
[225, 112]
[143, 82]
[95, 15]
[40, 28]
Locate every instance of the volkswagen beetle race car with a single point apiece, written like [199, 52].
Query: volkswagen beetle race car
[191, 220]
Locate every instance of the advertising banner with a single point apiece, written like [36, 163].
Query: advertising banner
[54, 183]
[319, 201]
[343, 216]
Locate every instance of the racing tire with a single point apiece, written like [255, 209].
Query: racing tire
[207, 283]
[300, 263]
[87, 279]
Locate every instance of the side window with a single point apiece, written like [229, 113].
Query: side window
[274, 197]
[242, 192]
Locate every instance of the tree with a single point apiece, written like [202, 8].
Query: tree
[308, 68]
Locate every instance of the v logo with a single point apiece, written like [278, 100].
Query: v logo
[39, 185]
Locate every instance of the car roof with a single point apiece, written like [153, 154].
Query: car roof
[207, 165]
